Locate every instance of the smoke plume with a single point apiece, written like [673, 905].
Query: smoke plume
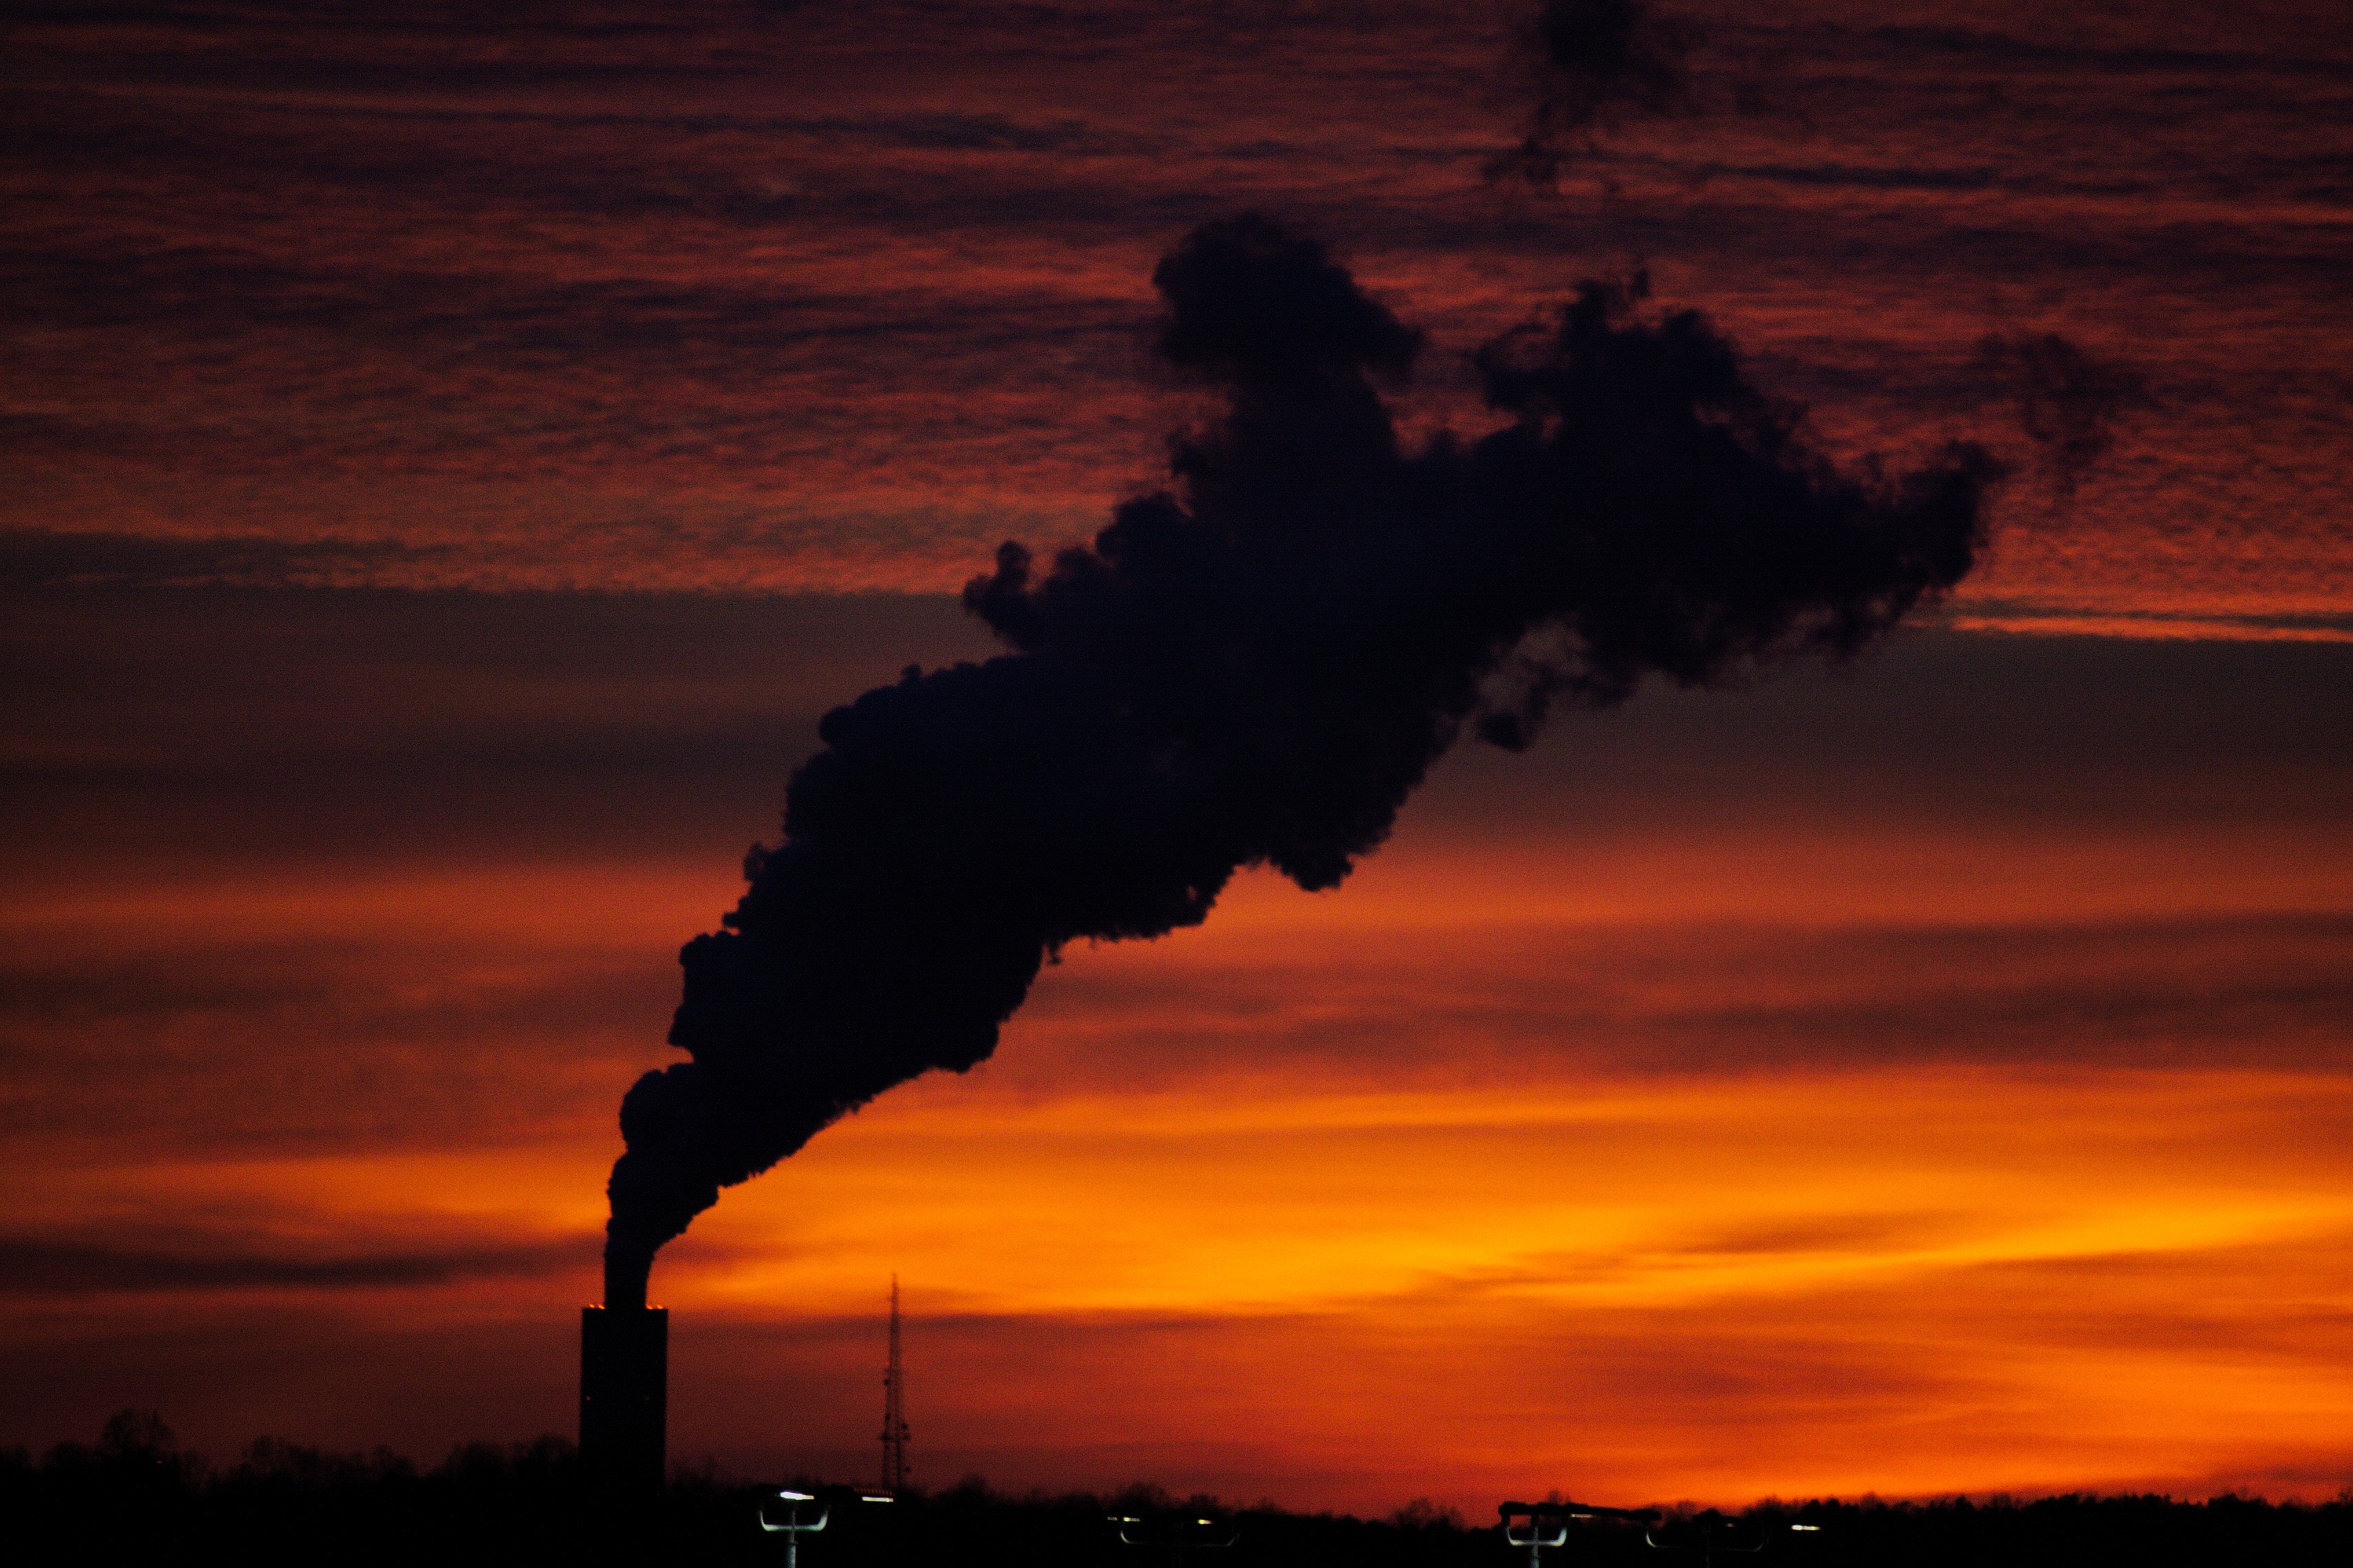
[2067, 402]
[1257, 667]
[1587, 61]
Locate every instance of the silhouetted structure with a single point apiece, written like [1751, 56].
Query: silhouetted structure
[625, 1394]
[894, 1408]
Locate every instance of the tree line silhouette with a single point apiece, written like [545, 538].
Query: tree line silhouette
[135, 1492]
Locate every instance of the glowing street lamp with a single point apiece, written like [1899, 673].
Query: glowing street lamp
[1538, 1533]
[1176, 1534]
[1540, 1526]
[793, 1528]
[1545, 1525]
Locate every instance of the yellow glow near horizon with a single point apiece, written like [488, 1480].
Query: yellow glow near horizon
[1447, 1131]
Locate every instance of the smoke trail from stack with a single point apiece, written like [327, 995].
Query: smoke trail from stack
[1584, 63]
[2068, 403]
[1257, 667]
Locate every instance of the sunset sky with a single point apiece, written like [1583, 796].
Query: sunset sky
[453, 464]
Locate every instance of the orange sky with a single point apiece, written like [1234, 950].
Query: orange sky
[454, 470]
[1785, 1151]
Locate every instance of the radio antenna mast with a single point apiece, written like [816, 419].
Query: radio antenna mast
[894, 1408]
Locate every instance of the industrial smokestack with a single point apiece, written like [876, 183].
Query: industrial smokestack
[625, 1394]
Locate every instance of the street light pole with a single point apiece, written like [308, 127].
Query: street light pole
[793, 1528]
[1546, 1524]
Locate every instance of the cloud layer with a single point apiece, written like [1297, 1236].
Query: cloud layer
[709, 295]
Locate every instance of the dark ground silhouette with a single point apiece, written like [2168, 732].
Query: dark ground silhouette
[133, 1495]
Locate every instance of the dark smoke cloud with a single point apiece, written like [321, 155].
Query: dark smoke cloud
[1588, 61]
[1256, 668]
[2067, 402]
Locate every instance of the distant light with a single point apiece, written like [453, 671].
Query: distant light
[800, 1497]
[874, 1497]
[1125, 1519]
[1205, 1521]
[1815, 1528]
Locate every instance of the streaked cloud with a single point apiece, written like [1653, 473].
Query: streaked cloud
[708, 297]
[52, 1266]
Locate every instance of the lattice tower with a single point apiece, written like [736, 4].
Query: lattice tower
[894, 1408]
